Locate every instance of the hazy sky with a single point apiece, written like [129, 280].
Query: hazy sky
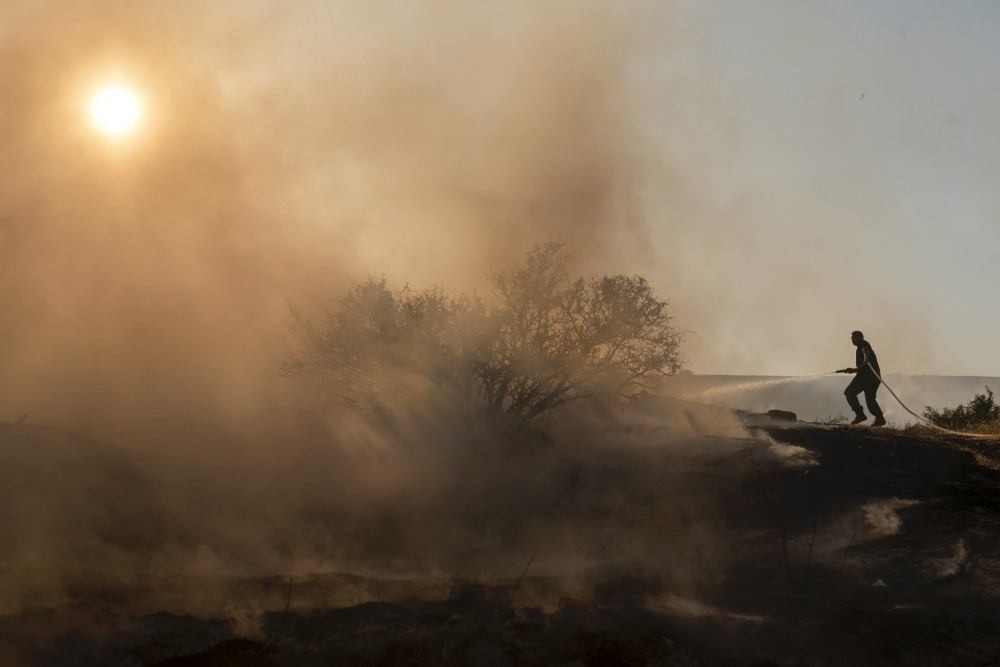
[845, 159]
[804, 168]
[784, 172]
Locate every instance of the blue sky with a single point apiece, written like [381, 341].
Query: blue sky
[844, 160]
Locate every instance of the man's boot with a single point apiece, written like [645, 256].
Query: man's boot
[879, 421]
[860, 417]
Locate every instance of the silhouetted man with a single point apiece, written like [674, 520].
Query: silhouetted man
[866, 379]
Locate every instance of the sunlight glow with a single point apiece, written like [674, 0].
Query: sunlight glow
[115, 110]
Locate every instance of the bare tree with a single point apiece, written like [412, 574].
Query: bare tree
[555, 338]
[542, 341]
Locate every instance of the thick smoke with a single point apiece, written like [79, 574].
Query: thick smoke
[284, 153]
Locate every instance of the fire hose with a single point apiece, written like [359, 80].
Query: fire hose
[925, 420]
[920, 418]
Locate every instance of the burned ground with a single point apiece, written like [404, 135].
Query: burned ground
[800, 545]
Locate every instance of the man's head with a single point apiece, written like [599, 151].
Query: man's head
[857, 337]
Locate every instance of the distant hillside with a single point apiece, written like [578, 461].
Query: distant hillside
[821, 398]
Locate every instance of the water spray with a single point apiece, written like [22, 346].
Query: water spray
[714, 391]
[756, 384]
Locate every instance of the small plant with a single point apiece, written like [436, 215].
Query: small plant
[982, 413]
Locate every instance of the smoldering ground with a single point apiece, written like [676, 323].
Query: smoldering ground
[426, 498]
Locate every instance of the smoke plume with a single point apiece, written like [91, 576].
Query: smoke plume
[284, 152]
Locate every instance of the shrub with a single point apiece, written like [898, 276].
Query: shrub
[540, 341]
[980, 413]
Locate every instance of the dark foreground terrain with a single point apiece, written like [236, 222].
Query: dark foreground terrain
[863, 547]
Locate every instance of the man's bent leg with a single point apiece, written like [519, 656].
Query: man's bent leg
[873, 406]
[852, 391]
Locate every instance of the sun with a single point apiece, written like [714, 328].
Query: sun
[115, 110]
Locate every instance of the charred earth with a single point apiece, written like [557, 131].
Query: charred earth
[790, 544]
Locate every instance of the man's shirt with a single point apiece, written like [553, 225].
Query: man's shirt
[865, 355]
